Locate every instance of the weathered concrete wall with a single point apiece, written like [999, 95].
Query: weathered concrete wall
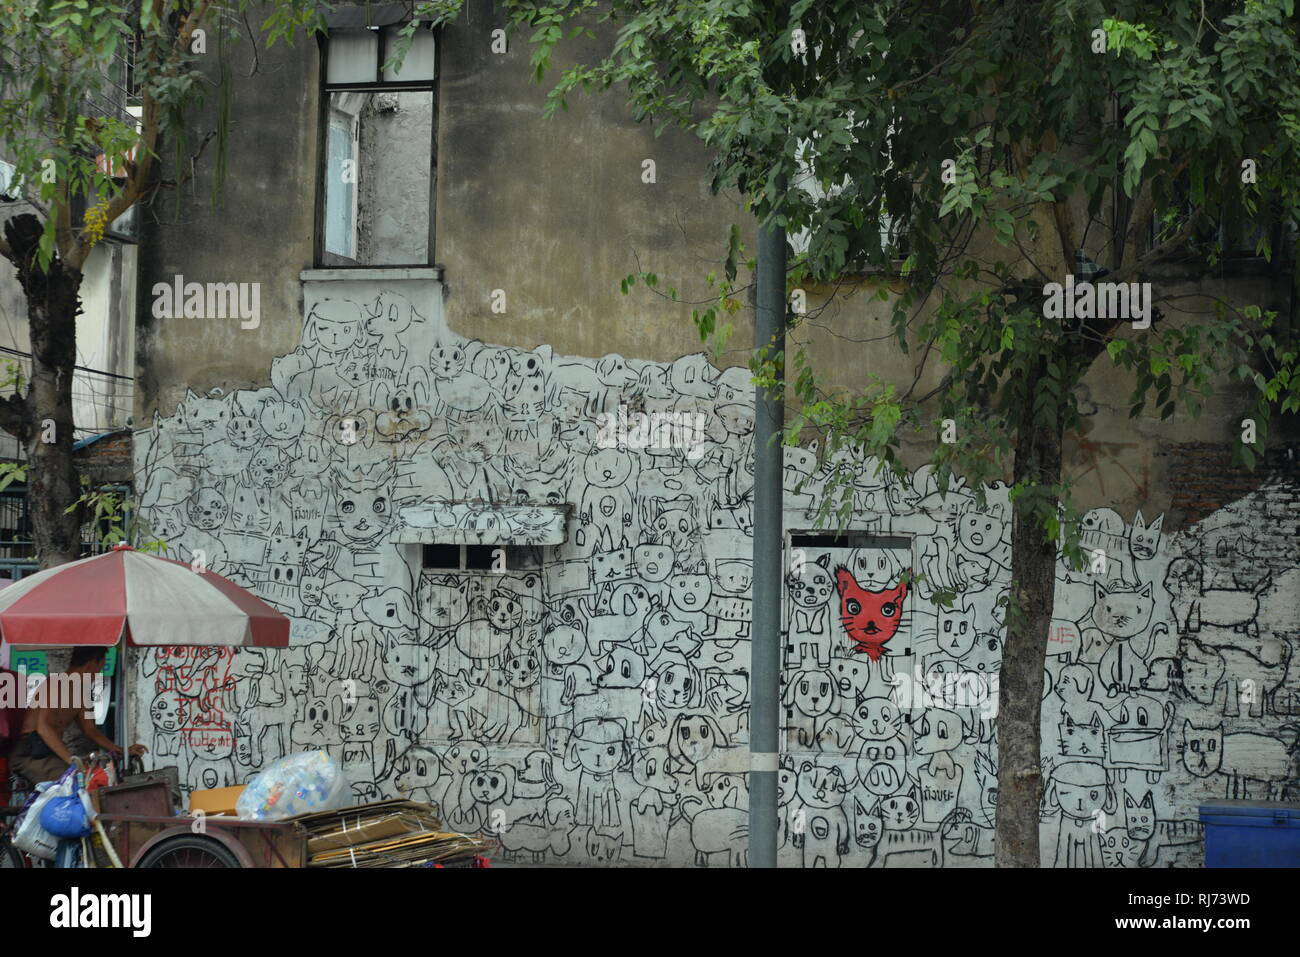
[595, 708]
[397, 163]
[555, 211]
[106, 338]
[260, 230]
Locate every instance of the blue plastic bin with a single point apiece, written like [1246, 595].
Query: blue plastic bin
[1251, 834]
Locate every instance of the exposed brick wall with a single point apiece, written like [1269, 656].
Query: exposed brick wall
[1203, 478]
[108, 460]
[1243, 525]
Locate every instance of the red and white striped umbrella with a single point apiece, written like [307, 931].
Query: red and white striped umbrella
[150, 600]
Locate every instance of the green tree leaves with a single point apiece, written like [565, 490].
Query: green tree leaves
[64, 71]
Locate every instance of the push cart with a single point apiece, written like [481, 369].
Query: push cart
[139, 823]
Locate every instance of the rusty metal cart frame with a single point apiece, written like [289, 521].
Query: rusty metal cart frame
[140, 822]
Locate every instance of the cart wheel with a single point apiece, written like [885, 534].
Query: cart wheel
[10, 857]
[189, 852]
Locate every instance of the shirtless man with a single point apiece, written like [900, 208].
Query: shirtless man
[40, 754]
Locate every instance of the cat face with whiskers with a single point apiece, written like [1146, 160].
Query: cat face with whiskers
[1140, 816]
[361, 514]
[1122, 611]
[1202, 749]
[901, 811]
[1144, 540]
[870, 618]
[868, 825]
[1120, 849]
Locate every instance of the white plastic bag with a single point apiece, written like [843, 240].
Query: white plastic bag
[30, 836]
[295, 784]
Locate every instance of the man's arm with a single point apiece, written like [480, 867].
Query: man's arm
[90, 731]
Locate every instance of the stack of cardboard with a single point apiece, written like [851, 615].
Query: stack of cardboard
[385, 834]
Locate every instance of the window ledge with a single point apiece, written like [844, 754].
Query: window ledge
[860, 272]
[372, 274]
[481, 523]
[863, 271]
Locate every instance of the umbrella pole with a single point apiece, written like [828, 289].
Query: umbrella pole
[126, 700]
[127, 703]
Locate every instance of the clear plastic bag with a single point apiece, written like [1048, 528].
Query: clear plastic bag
[295, 784]
[31, 836]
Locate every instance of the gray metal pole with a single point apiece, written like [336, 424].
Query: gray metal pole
[765, 666]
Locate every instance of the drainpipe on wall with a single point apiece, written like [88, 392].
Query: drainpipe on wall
[765, 663]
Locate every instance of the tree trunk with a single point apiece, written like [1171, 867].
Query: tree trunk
[1033, 574]
[53, 484]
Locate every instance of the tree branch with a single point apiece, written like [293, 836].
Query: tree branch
[138, 172]
[1156, 253]
[1143, 209]
[1093, 336]
[191, 24]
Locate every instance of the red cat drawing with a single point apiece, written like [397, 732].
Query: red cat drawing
[870, 618]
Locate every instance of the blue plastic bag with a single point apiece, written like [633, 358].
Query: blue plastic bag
[65, 817]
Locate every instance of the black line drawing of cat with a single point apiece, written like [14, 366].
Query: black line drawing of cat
[868, 828]
[1082, 740]
[1111, 633]
[1194, 605]
[1182, 839]
[1144, 837]
[1244, 677]
[808, 596]
[1102, 534]
[476, 711]
[1243, 757]
[1144, 545]
[1120, 850]
[901, 843]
